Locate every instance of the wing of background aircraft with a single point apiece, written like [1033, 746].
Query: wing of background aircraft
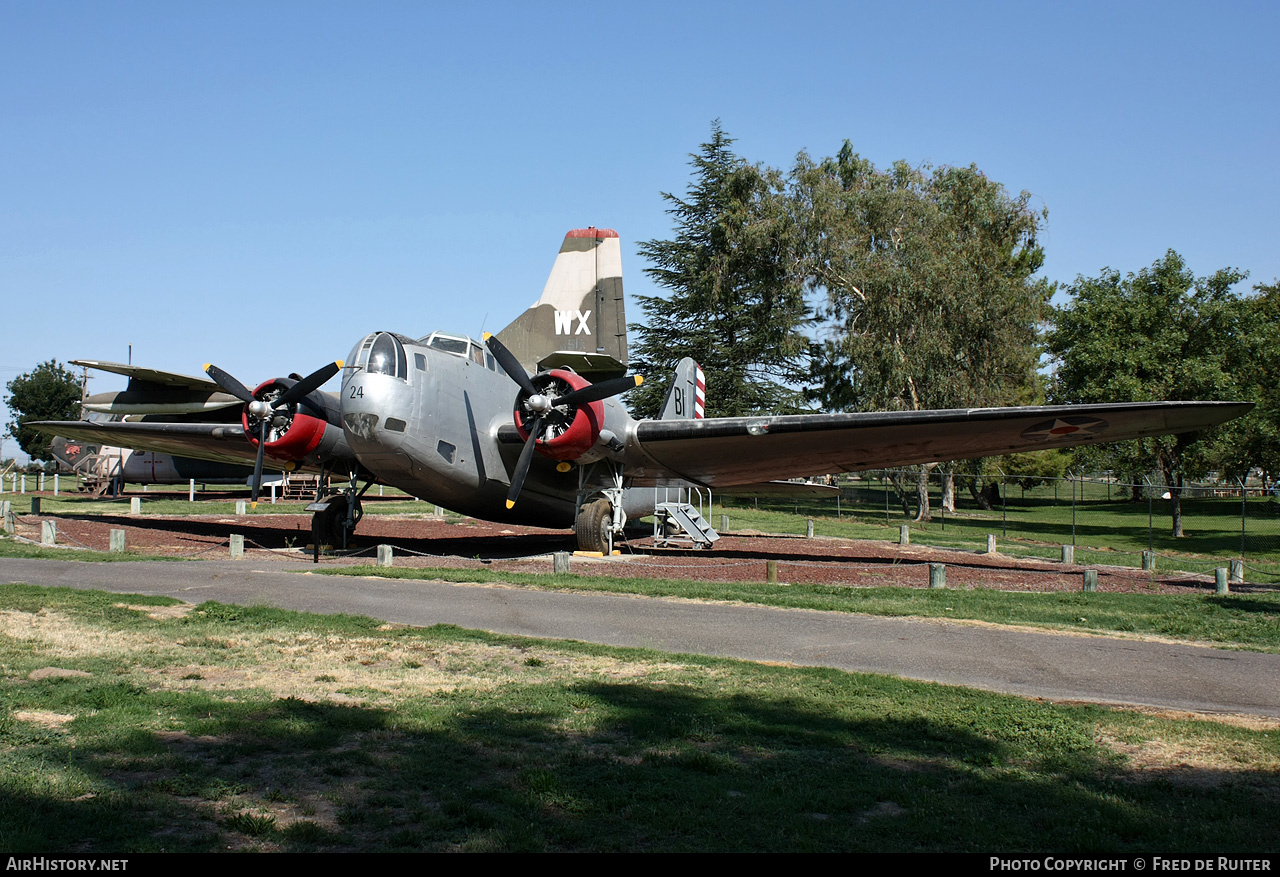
[220, 442]
[724, 452]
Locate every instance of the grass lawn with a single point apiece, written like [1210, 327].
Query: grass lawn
[130, 724]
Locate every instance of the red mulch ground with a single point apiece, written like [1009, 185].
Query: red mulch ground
[430, 541]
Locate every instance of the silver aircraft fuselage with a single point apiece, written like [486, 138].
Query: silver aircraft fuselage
[428, 422]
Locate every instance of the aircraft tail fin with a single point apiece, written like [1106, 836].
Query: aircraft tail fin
[687, 398]
[579, 321]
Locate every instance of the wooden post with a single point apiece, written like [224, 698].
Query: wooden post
[560, 563]
[55, 483]
[237, 546]
[1220, 581]
[937, 576]
[1090, 581]
[1149, 561]
[991, 543]
[724, 523]
[771, 572]
[135, 505]
[809, 531]
[117, 541]
[384, 555]
[48, 532]
[240, 507]
[904, 534]
[1068, 554]
[191, 490]
[1237, 571]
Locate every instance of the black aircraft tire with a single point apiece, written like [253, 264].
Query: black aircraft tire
[327, 526]
[594, 527]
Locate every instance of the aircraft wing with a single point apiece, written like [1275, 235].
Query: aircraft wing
[151, 375]
[730, 451]
[220, 442]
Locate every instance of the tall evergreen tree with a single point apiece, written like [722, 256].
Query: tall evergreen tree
[735, 299]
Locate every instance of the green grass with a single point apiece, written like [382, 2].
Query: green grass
[1036, 524]
[1249, 621]
[317, 734]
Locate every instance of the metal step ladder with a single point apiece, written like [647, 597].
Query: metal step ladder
[678, 523]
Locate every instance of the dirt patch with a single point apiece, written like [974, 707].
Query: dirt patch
[429, 541]
[43, 718]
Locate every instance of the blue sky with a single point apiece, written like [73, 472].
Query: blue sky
[259, 184]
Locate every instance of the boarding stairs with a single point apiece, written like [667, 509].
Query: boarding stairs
[679, 524]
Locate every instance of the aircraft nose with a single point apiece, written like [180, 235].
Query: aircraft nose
[374, 411]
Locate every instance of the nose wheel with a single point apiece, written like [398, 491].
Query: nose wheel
[332, 525]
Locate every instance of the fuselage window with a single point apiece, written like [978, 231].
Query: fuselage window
[420, 361]
[477, 354]
[489, 362]
[388, 357]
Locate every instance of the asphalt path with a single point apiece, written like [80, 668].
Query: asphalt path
[1054, 666]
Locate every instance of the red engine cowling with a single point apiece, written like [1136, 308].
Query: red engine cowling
[567, 435]
[301, 434]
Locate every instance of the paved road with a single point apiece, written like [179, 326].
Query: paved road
[1033, 664]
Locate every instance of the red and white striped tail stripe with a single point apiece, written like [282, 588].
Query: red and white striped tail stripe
[699, 395]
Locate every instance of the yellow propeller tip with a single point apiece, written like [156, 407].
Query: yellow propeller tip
[207, 366]
[339, 363]
[486, 336]
[511, 503]
[639, 380]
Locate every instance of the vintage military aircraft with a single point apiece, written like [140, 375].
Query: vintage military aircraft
[435, 416]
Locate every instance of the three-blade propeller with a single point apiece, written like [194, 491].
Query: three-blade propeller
[541, 409]
[265, 411]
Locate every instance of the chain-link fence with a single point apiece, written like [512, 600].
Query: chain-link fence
[1104, 520]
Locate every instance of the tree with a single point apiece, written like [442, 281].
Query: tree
[736, 299]
[1254, 441]
[1158, 334]
[47, 392]
[928, 276]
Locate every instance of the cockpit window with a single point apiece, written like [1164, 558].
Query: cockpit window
[387, 357]
[449, 344]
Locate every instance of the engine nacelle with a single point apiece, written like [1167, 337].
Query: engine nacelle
[294, 433]
[570, 432]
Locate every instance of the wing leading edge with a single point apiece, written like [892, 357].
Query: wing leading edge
[728, 451]
[219, 442]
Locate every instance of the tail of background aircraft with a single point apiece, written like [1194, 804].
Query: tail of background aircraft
[579, 321]
[687, 398]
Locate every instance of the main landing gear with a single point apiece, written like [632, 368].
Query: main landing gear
[600, 517]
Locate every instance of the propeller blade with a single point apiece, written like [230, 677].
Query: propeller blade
[228, 383]
[602, 390]
[308, 384]
[526, 457]
[507, 360]
[257, 463]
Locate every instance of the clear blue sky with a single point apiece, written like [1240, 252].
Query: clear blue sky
[259, 184]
